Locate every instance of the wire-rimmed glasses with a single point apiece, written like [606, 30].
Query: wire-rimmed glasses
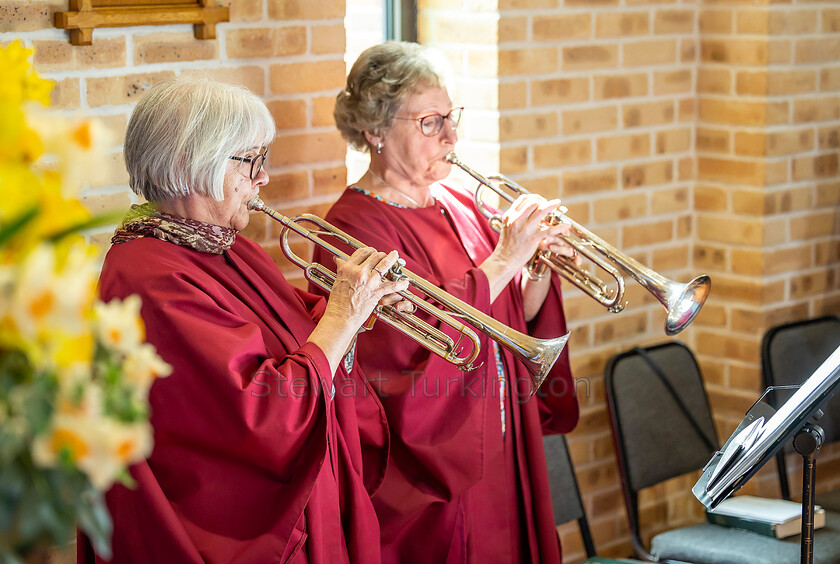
[431, 124]
[256, 162]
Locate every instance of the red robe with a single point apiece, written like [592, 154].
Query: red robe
[457, 489]
[253, 460]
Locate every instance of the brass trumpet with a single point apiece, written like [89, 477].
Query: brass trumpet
[682, 302]
[538, 355]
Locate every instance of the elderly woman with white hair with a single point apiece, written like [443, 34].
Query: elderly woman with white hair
[258, 446]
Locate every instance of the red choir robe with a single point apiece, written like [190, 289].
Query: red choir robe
[458, 489]
[255, 458]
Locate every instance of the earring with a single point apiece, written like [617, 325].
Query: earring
[186, 189]
[379, 148]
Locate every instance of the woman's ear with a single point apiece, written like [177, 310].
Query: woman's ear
[374, 141]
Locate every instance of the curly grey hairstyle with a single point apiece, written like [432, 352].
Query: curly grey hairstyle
[379, 82]
[182, 132]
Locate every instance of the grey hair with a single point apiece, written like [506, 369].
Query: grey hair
[379, 82]
[182, 132]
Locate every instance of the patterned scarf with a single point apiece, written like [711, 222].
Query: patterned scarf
[147, 221]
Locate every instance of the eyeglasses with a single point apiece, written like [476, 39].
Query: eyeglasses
[257, 163]
[432, 124]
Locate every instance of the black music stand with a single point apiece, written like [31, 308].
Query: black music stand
[764, 431]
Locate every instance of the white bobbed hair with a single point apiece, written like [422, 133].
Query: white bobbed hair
[183, 131]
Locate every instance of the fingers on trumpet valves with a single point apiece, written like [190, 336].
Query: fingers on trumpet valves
[385, 263]
[379, 272]
[402, 305]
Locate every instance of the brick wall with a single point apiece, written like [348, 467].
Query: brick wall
[695, 136]
[767, 197]
[698, 137]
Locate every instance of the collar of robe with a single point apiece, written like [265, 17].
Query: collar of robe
[145, 220]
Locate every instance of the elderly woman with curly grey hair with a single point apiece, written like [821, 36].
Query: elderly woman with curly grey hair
[258, 443]
[466, 478]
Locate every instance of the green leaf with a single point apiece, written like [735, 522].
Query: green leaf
[15, 368]
[17, 224]
[96, 221]
[94, 520]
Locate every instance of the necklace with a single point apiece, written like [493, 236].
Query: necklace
[400, 192]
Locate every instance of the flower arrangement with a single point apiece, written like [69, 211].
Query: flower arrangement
[74, 372]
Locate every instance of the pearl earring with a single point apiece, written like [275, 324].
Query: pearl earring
[379, 148]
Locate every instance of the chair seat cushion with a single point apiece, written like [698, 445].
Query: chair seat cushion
[599, 560]
[713, 544]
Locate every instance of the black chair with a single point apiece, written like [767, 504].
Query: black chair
[662, 428]
[790, 353]
[565, 496]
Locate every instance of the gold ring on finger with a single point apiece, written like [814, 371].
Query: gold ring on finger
[379, 272]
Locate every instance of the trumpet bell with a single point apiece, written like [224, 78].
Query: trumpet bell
[540, 357]
[685, 304]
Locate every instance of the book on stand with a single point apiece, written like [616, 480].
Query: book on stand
[777, 518]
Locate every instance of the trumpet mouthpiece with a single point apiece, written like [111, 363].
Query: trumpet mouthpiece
[256, 204]
[452, 158]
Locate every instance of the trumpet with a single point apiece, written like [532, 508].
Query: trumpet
[538, 355]
[682, 302]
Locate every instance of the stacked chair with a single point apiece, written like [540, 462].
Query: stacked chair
[662, 428]
[565, 496]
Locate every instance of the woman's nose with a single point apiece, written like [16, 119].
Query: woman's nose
[449, 133]
[262, 178]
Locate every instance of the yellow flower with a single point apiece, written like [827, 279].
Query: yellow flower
[49, 302]
[20, 188]
[24, 190]
[118, 324]
[142, 366]
[67, 439]
[20, 82]
[100, 447]
[71, 350]
[75, 148]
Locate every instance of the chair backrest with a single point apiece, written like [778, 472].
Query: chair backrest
[790, 353]
[565, 494]
[661, 421]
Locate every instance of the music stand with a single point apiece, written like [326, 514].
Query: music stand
[764, 431]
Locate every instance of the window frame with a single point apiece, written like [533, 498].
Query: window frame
[400, 20]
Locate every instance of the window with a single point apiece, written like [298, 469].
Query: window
[401, 20]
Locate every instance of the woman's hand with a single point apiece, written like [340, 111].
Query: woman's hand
[361, 284]
[535, 290]
[525, 229]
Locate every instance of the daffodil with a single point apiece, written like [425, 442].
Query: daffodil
[100, 447]
[67, 352]
[74, 148]
[117, 446]
[118, 323]
[50, 299]
[20, 82]
[142, 366]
